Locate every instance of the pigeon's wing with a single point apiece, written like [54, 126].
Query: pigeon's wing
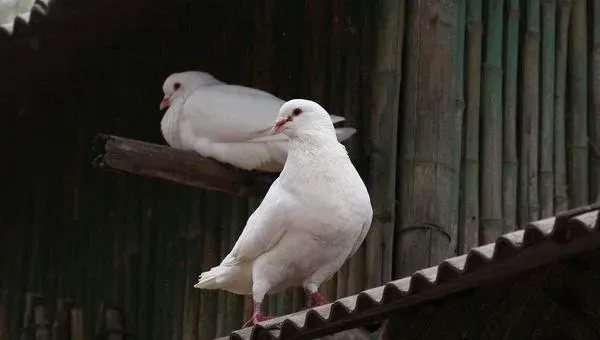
[265, 227]
[249, 91]
[233, 113]
[230, 113]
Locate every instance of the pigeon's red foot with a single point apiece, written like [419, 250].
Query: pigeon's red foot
[256, 318]
[318, 299]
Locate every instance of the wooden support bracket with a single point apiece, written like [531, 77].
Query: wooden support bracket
[184, 167]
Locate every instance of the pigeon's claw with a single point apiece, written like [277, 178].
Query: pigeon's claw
[256, 318]
[318, 300]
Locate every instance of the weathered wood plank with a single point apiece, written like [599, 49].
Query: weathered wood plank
[184, 167]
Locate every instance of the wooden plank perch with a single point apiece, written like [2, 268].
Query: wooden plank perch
[184, 167]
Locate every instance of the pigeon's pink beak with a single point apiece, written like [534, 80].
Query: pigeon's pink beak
[164, 103]
[279, 126]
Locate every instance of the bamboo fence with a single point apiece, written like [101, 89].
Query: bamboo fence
[474, 118]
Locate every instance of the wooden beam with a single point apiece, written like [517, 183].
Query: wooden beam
[184, 167]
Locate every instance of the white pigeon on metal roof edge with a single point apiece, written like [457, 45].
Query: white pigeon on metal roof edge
[314, 216]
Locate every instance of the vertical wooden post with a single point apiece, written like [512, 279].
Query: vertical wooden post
[385, 94]
[428, 137]
[468, 234]
[4, 330]
[561, 199]
[578, 115]
[61, 329]
[35, 321]
[510, 165]
[77, 324]
[110, 323]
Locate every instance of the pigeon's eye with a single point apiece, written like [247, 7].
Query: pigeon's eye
[296, 112]
[176, 86]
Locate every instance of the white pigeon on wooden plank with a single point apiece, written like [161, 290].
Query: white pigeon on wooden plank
[314, 217]
[229, 123]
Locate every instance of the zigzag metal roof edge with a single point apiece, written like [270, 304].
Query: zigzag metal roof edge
[37, 11]
[541, 242]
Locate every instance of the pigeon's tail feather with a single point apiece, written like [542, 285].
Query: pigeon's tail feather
[344, 133]
[336, 119]
[212, 279]
[236, 279]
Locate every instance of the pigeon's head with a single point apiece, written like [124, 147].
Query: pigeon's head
[182, 84]
[299, 116]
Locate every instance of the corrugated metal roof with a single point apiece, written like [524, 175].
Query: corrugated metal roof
[38, 9]
[541, 242]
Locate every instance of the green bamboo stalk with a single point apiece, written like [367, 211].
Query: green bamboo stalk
[578, 122]
[528, 172]
[427, 147]
[509, 150]
[596, 92]
[469, 222]
[385, 94]
[561, 199]
[547, 112]
[459, 88]
[491, 176]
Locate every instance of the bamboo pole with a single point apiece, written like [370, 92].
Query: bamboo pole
[491, 176]
[423, 229]
[596, 91]
[358, 25]
[547, 112]
[528, 167]
[459, 88]
[469, 224]
[385, 94]
[577, 123]
[510, 165]
[561, 199]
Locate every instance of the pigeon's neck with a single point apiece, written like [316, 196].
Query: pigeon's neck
[169, 124]
[313, 150]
